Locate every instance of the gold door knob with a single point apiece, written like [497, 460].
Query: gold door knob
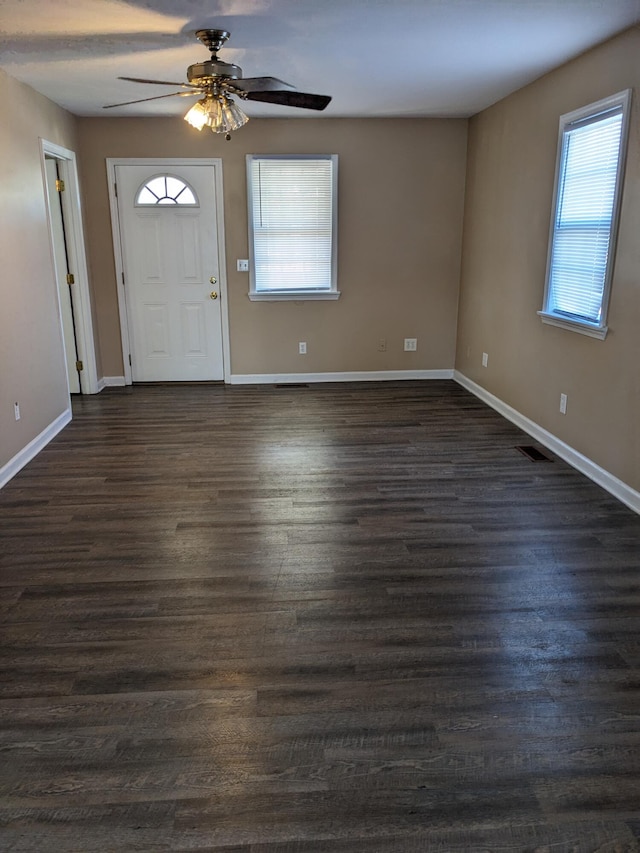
[213, 295]
[213, 279]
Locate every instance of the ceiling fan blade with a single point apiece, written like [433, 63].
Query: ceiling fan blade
[291, 99]
[261, 84]
[155, 98]
[158, 82]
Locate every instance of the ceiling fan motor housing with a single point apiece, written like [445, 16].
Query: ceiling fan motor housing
[212, 69]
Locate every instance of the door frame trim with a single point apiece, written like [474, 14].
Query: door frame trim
[72, 213]
[216, 163]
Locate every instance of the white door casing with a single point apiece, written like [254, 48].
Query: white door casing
[168, 254]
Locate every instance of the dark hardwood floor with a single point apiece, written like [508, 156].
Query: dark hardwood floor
[334, 619]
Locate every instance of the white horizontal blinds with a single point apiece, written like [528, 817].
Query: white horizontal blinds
[584, 216]
[292, 223]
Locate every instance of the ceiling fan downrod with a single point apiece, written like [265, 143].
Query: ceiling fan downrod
[204, 73]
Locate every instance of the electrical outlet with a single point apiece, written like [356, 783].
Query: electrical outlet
[242, 266]
[302, 348]
[382, 345]
[485, 359]
[410, 344]
[16, 411]
[563, 404]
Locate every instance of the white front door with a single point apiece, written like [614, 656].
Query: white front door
[169, 238]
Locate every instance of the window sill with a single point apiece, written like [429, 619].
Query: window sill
[599, 332]
[292, 295]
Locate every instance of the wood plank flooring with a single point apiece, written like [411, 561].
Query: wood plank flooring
[334, 619]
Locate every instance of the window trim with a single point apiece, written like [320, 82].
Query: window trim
[289, 294]
[567, 121]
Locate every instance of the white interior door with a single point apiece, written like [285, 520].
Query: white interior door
[169, 239]
[61, 261]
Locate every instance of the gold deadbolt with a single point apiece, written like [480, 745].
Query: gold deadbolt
[213, 295]
[213, 279]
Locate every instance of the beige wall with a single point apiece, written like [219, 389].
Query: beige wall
[511, 163]
[401, 187]
[32, 367]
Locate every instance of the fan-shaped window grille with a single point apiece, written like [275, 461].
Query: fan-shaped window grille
[166, 189]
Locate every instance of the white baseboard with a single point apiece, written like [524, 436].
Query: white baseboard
[33, 448]
[111, 382]
[620, 490]
[353, 376]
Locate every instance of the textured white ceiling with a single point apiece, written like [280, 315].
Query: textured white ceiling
[374, 57]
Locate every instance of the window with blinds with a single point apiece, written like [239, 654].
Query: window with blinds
[292, 226]
[589, 172]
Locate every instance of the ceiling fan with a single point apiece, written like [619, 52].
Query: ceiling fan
[217, 81]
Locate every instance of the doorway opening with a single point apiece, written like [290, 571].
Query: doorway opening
[68, 253]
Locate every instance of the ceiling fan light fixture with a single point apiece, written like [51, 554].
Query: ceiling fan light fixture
[233, 117]
[219, 112]
[197, 115]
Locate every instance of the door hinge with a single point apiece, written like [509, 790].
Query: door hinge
[115, 189]
[79, 366]
[122, 274]
[129, 359]
[60, 185]
[70, 278]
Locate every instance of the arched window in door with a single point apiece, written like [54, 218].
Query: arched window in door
[166, 189]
